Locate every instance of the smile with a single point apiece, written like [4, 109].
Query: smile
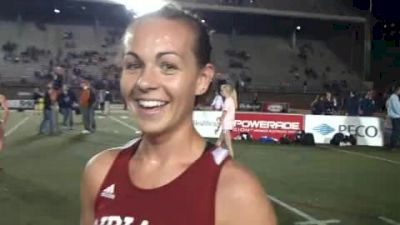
[151, 103]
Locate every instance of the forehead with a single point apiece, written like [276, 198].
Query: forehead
[153, 35]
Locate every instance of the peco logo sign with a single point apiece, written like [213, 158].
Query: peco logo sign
[359, 130]
[367, 130]
[324, 129]
[356, 130]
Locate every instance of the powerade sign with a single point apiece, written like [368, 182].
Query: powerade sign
[267, 125]
[367, 130]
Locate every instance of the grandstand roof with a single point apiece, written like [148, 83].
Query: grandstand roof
[339, 10]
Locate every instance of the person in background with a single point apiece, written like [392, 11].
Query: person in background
[227, 119]
[66, 102]
[352, 104]
[47, 125]
[36, 96]
[305, 86]
[329, 104]
[393, 111]
[58, 77]
[107, 103]
[317, 106]
[101, 95]
[367, 105]
[3, 121]
[217, 102]
[87, 104]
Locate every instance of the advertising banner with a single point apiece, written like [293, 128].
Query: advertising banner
[272, 125]
[21, 104]
[255, 125]
[206, 123]
[367, 130]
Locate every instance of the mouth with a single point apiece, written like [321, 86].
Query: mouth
[150, 106]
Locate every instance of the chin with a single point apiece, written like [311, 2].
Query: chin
[151, 129]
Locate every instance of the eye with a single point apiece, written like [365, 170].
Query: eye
[168, 68]
[132, 65]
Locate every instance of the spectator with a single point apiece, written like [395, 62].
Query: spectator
[305, 86]
[329, 104]
[108, 100]
[101, 98]
[367, 105]
[317, 106]
[393, 111]
[66, 102]
[87, 102]
[352, 104]
[59, 73]
[218, 101]
[36, 96]
[48, 123]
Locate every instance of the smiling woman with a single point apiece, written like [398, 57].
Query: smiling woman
[170, 175]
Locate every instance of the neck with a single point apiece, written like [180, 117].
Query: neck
[183, 143]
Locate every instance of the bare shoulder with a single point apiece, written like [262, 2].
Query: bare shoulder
[241, 199]
[96, 170]
[100, 163]
[2, 98]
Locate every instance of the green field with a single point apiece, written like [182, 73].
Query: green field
[308, 185]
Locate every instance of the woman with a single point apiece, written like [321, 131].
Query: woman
[3, 121]
[228, 116]
[170, 176]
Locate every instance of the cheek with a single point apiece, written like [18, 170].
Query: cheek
[127, 83]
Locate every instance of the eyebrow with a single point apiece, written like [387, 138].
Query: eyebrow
[161, 54]
[132, 54]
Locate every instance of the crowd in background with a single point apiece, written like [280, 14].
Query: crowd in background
[58, 98]
[353, 104]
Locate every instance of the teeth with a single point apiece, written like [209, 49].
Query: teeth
[151, 103]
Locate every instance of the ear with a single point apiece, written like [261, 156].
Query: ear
[204, 79]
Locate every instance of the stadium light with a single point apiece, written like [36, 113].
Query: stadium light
[140, 7]
[57, 11]
[298, 28]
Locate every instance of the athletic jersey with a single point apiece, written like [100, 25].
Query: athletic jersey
[187, 200]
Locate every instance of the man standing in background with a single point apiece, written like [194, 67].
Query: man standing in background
[393, 110]
[352, 104]
[108, 100]
[367, 104]
[66, 102]
[87, 102]
[48, 123]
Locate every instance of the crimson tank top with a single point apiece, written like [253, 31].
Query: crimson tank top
[187, 200]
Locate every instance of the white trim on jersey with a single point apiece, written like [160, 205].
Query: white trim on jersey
[130, 143]
[219, 154]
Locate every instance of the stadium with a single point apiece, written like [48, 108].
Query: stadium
[319, 164]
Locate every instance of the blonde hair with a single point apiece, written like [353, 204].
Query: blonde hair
[230, 90]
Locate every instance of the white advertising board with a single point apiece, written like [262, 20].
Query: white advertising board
[21, 104]
[206, 122]
[368, 130]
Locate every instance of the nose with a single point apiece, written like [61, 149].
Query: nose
[147, 80]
